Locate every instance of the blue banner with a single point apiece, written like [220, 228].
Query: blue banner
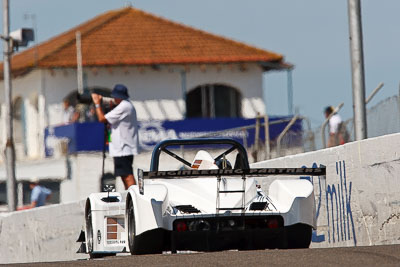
[150, 133]
[90, 136]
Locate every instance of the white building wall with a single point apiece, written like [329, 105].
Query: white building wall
[2, 128]
[146, 83]
[24, 86]
[157, 93]
[84, 176]
[248, 82]
[29, 88]
[32, 129]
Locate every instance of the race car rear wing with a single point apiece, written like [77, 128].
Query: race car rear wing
[321, 171]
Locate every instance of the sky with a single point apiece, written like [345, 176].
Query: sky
[311, 34]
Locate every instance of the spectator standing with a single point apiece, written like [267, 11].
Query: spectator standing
[69, 114]
[337, 130]
[124, 141]
[91, 114]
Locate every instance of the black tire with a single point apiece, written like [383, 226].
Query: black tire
[89, 234]
[298, 235]
[89, 228]
[131, 228]
[142, 244]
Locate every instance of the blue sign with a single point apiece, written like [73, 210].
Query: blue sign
[90, 136]
[152, 132]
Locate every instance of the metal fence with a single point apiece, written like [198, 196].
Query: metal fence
[289, 141]
[383, 118]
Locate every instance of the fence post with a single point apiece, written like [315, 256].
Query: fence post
[256, 138]
[376, 90]
[310, 133]
[267, 146]
[282, 134]
[244, 138]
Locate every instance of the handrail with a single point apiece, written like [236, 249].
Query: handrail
[326, 122]
[217, 133]
[374, 92]
[282, 134]
[310, 133]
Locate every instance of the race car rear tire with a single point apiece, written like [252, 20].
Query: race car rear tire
[298, 235]
[89, 234]
[89, 228]
[149, 243]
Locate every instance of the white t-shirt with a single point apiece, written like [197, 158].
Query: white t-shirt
[124, 130]
[334, 123]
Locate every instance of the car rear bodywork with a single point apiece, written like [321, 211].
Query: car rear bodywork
[204, 209]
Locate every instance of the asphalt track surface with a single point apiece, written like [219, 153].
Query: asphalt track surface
[351, 256]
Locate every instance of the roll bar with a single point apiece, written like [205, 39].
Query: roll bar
[162, 146]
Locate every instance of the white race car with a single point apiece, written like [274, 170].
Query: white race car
[205, 205]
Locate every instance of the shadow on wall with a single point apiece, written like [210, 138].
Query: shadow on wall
[337, 197]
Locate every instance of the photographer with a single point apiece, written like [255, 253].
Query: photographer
[124, 143]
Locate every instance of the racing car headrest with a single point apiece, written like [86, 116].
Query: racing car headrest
[203, 161]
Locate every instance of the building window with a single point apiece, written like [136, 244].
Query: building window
[24, 192]
[3, 194]
[53, 185]
[213, 101]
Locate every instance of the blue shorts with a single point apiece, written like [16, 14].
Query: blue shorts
[123, 165]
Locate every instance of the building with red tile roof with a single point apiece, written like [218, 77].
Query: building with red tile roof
[131, 36]
[172, 71]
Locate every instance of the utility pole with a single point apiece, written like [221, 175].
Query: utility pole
[9, 152]
[357, 68]
[79, 62]
[290, 91]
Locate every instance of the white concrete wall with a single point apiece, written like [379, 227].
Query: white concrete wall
[359, 202]
[42, 234]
